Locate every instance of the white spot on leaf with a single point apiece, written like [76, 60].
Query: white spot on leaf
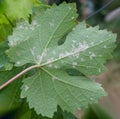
[54, 78]
[26, 87]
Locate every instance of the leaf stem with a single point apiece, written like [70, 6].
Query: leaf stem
[18, 75]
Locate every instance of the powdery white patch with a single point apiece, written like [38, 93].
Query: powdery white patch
[99, 70]
[53, 52]
[78, 108]
[82, 60]
[72, 18]
[73, 46]
[49, 65]
[33, 51]
[92, 55]
[74, 64]
[26, 28]
[12, 43]
[56, 67]
[69, 8]
[62, 55]
[38, 60]
[76, 55]
[83, 45]
[104, 46]
[35, 23]
[50, 60]
[54, 78]
[32, 28]
[73, 41]
[18, 63]
[73, 29]
[51, 24]
[26, 87]
[20, 27]
[92, 43]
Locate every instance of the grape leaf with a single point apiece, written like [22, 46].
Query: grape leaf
[46, 89]
[45, 31]
[10, 96]
[85, 49]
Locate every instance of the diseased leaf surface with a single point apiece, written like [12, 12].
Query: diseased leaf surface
[45, 31]
[84, 50]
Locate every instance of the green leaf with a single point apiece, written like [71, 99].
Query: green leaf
[5, 30]
[45, 31]
[46, 89]
[84, 50]
[16, 9]
[10, 96]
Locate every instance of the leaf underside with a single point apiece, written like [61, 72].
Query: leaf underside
[84, 49]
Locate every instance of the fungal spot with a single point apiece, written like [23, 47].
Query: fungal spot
[18, 63]
[99, 70]
[33, 51]
[35, 23]
[73, 29]
[54, 78]
[53, 52]
[72, 18]
[91, 99]
[104, 46]
[62, 55]
[26, 87]
[92, 55]
[51, 24]
[73, 41]
[56, 66]
[50, 60]
[74, 64]
[69, 8]
[82, 60]
[39, 58]
[32, 28]
[49, 65]
[21, 27]
[92, 43]
[26, 28]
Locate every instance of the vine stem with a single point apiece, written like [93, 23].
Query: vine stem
[18, 75]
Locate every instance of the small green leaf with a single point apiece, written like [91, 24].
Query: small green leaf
[16, 9]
